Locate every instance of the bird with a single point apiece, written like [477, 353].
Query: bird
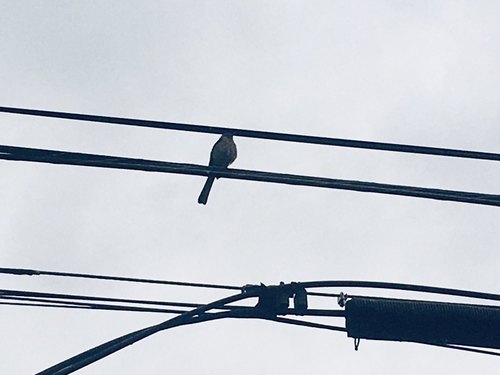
[222, 155]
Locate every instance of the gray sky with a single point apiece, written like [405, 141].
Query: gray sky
[421, 72]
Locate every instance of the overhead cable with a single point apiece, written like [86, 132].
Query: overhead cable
[305, 284]
[31, 294]
[118, 303]
[259, 134]
[399, 286]
[465, 348]
[115, 162]
[41, 302]
[32, 272]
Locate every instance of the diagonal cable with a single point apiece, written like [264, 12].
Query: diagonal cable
[382, 146]
[92, 160]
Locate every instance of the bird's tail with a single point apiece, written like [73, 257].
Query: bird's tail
[202, 199]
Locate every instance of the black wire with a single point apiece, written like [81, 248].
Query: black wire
[307, 324]
[31, 272]
[398, 286]
[464, 348]
[89, 306]
[321, 294]
[275, 319]
[74, 300]
[30, 294]
[91, 160]
[306, 284]
[260, 134]
[34, 304]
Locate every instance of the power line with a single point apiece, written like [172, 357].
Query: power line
[117, 303]
[305, 284]
[195, 316]
[7, 293]
[199, 314]
[31, 272]
[394, 147]
[464, 348]
[72, 304]
[399, 286]
[102, 161]
[40, 302]
[303, 323]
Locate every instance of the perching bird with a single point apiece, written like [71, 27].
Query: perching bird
[222, 155]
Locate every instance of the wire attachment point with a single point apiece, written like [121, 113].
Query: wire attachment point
[342, 299]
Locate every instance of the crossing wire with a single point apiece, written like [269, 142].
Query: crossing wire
[381, 146]
[102, 161]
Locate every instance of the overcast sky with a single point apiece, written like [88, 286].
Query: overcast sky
[415, 72]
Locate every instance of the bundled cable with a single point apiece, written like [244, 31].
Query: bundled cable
[115, 162]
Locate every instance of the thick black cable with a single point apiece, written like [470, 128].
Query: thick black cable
[259, 134]
[83, 359]
[32, 272]
[91, 160]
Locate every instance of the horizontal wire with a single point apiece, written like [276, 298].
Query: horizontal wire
[398, 286]
[306, 284]
[275, 319]
[394, 147]
[92, 160]
[31, 272]
[75, 300]
[307, 324]
[33, 304]
[464, 348]
[248, 314]
[321, 294]
[30, 294]
[43, 302]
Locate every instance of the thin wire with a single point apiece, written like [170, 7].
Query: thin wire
[92, 160]
[307, 284]
[30, 294]
[33, 304]
[92, 355]
[31, 272]
[259, 134]
[464, 348]
[399, 286]
[275, 319]
[75, 300]
[86, 306]
[321, 294]
[307, 324]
